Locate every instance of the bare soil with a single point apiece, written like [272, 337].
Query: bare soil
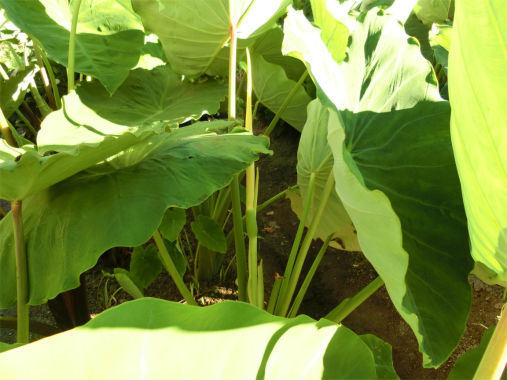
[340, 275]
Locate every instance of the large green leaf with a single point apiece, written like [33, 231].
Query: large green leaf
[394, 171]
[194, 32]
[232, 341]
[92, 126]
[157, 95]
[271, 86]
[315, 156]
[109, 34]
[119, 202]
[478, 68]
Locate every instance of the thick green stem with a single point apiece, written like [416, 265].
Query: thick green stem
[43, 107]
[250, 212]
[494, 360]
[284, 105]
[239, 240]
[260, 286]
[308, 279]
[44, 76]
[221, 205]
[169, 265]
[21, 274]
[305, 246]
[232, 72]
[274, 293]
[348, 305]
[27, 122]
[295, 245]
[6, 131]
[72, 46]
[52, 78]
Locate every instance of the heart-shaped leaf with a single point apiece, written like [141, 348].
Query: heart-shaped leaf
[394, 170]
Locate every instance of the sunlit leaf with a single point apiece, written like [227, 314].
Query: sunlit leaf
[478, 62]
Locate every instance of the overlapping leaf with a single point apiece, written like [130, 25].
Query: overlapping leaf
[394, 170]
[256, 345]
[93, 126]
[194, 33]
[119, 202]
[315, 156]
[478, 66]
[271, 86]
[109, 34]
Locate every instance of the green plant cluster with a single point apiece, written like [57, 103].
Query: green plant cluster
[114, 135]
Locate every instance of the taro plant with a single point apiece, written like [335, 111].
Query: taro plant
[376, 172]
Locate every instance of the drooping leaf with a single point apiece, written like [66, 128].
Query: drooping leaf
[209, 233]
[93, 126]
[467, 364]
[315, 156]
[478, 62]
[128, 341]
[13, 90]
[193, 33]
[431, 11]
[271, 86]
[382, 353]
[119, 202]
[173, 222]
[145, 265]
[109, 35]
[394, 171]
[128, 283]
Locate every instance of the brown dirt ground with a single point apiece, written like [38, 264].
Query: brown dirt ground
[340, 275]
